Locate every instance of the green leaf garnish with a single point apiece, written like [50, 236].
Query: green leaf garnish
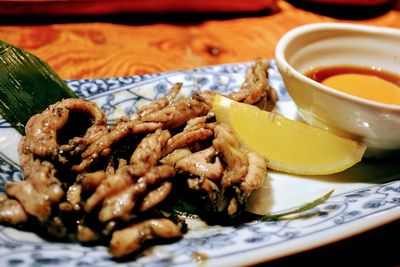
[185, 207]
[28, 86]
[298, 210]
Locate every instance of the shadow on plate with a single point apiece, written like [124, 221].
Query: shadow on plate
[374, 171]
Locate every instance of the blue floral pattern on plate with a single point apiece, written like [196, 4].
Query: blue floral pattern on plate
[362, 206]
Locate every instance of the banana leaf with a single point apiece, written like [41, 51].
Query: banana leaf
[28, 86]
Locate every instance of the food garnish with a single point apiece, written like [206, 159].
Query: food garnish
[289, 215]
[27, 86]
[287, 145]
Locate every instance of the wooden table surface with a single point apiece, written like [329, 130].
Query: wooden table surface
[93, 50]
[130, 46]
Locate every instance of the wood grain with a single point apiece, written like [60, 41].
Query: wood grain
[92, 50]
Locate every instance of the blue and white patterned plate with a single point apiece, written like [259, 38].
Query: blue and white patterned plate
[366, 196]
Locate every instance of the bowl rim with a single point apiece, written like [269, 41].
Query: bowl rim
[289, 36]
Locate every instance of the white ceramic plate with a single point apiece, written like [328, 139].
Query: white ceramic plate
[366, 196]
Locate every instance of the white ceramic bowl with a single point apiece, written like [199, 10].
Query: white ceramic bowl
[326, 44]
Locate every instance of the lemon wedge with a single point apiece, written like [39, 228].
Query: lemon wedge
[287, 145]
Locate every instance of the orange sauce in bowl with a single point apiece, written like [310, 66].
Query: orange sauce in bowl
[369, 83]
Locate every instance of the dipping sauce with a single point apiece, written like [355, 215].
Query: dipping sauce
[368, 83]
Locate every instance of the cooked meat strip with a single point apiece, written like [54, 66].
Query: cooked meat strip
[117, 205]
[26, 159]
[122, 130]
[142, 163]
[255, 175]
[153, 106]
[41, 174]
[233, 206]
[196, 130]
[196, 123]
[255, 85]
[180, 111]
[74, 195]
[103, 143]
[91, 180]
[86, 234]
[206, 185]
[149, 150]
[130, 239]
[267, 102]
[43, 180]
[31, 200]
[155, 196]
[110, 185]
[185, 138]
[40, 189]
[3, 196]
[161, 103]
[172, 158]
[77, 145]
[11, 211]
[145, 127]
[227, 182]
[42, 129]
[235, 158]
[200, 164]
